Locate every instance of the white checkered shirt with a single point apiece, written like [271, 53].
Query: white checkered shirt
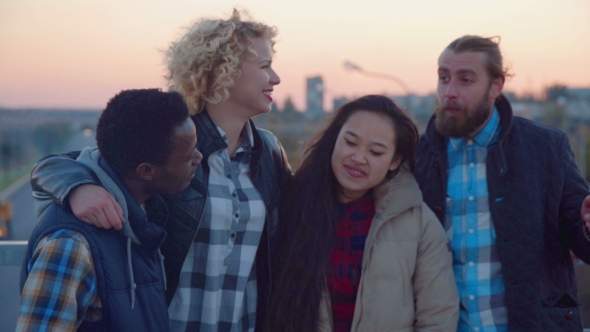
[217, 288]
[469, 225]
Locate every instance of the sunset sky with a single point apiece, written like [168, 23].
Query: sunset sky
[78, 54]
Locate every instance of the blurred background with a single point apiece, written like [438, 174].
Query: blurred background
[62, 60]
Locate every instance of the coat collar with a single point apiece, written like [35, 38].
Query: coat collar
[150, 233]
[209, 139]
[395, 196]
[436, 139]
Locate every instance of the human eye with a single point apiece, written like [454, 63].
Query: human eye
[349, 143]
[376, 153]
[443, 78]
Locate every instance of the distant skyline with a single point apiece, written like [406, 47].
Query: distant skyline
[78, 54]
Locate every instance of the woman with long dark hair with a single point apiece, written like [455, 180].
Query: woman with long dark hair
[360, 251]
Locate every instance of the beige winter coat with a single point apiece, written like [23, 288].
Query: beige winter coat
[407, 283]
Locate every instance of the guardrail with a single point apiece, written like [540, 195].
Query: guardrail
[11, 257]
[12, 252]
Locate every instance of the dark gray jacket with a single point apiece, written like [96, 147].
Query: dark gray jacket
[269, 167]
[535, 195]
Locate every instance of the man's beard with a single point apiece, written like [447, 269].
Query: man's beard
[457, 126]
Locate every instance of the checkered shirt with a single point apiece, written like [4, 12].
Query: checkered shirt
[60, 291]
[346, 259]
[469, 225]
[217, 288]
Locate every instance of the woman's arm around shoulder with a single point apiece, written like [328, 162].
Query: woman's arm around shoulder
[72, 184]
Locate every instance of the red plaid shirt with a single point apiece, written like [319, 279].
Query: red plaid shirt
[347, 258]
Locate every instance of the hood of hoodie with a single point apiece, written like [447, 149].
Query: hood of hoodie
[137, 228]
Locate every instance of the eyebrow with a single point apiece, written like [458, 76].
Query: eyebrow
[374, 143]
[262, 61]
[460, 71]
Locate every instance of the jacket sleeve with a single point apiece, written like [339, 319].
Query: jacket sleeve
[435, 292]
[575, 189]
[54, 176]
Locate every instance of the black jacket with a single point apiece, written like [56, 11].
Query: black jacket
[535, 195]
[269, 168]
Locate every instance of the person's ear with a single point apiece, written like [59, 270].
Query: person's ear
[496, 87]
[395, 163]
[146, 171]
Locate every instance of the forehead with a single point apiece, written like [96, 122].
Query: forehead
[184, 136]
[370, 126]
[262, 47]
[464, 61]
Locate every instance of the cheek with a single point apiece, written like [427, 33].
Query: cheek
[380, 167]
[334, 161]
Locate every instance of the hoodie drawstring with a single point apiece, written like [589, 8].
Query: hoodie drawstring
[131, 279]
[161, 257]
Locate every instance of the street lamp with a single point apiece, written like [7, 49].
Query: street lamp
[352, 66]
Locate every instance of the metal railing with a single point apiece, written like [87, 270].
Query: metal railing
[11, 258]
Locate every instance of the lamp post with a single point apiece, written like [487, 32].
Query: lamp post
[352, 66]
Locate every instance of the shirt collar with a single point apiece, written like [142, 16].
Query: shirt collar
[246, 135]
[486, 137]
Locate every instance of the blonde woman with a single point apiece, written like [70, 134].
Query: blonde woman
[221, 228]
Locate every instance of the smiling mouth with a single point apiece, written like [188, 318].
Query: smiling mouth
[354, 172]
[267, 94]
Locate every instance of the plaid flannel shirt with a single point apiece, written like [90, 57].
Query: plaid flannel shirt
[346, 259]
[217, 289]
[60, 291]
[469, 225]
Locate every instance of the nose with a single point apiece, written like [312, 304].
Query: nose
[274, 78]
[358, 157]
[198, 157]
[451, 91]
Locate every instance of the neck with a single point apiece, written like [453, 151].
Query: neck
[227, 118]
[137, 190]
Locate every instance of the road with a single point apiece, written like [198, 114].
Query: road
[23, 217]
[21, 225]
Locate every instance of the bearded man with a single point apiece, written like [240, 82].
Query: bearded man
[509, 195]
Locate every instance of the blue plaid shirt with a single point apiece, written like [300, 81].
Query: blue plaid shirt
[469, 225]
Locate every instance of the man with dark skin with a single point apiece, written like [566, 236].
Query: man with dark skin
[79, 277]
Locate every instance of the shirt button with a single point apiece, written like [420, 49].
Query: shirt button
[233, 194]
[476, 329]
[569, 315]
[449, 199]
[470, 198]
[471, 231]
[233, 235]
[470, 142]
[471, 297]
[237, 215]
[471, 264]
[471, 165]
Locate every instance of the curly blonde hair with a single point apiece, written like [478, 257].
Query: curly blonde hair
[204, 63]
